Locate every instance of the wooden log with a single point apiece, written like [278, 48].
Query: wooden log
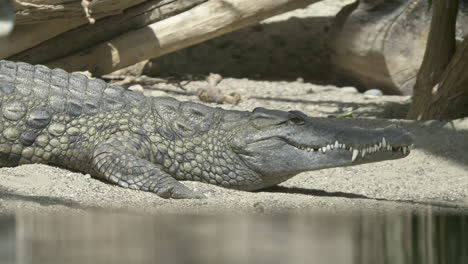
[205, 21]
[40, 20]
[40, 11]
[382, 47]
[89, 35]
[24, 37]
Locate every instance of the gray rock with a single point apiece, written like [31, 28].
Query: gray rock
[373, 92]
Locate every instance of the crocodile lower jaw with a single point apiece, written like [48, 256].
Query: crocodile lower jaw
[362, 151]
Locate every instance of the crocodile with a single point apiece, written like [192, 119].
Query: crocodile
[83, 124]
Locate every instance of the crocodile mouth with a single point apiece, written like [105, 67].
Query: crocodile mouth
[360, 152]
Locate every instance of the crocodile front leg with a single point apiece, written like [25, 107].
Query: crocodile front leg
[125, 161]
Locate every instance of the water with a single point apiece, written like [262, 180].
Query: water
[310, 238]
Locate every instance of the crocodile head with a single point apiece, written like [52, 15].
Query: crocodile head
[278, 145]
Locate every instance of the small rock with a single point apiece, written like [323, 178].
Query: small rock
[136, 88]
[373, 92]
[432, 122]
[87, 176]
[85, 73]
[349, 89]
[259, 207]
[155, 93]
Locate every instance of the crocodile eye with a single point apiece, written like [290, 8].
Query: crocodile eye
[296, 120]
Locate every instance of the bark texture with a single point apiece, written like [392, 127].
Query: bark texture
[428, 90]
[449, 98]
[40, 11]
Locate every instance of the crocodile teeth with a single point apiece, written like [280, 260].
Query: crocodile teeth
[355, 154]
[369, 150]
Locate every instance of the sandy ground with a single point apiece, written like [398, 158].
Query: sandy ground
[433, 178]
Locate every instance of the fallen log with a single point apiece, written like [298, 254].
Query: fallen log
[39, 20]
[89, 35]
[24, 37]
[382, 46]
[205, 21]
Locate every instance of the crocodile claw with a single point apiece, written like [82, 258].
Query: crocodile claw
[180, 191]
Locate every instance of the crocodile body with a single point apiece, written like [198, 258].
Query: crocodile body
[119, 136]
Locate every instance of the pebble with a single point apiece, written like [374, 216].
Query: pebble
[373, 92]
[349, 89]
[136, 88]
[155, 93]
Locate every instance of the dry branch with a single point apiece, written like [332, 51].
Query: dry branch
[203, 22]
